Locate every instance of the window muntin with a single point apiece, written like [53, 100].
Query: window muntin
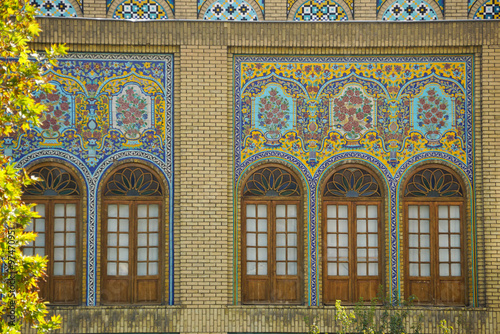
[271, 247]
[434, 237]
[56, 197]
[132, 234]
[352, 259]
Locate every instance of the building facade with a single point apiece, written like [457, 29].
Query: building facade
[239, 177]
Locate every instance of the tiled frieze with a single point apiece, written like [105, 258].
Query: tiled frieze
[105, 108]
[230, 10]
[140, 10]
[323, 10]
[55, 8]
[490, 10]
[390, 112]
[413, 10]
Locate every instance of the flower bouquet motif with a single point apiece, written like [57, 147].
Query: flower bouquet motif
[57, 115]
[432, 115]
[273, 115]
[131, 114]
[352, 113]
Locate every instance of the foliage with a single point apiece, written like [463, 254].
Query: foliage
[21, 72]
[444, 328]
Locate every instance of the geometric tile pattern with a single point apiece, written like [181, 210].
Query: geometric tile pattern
[230, 10]
[140, 10]
[105, 108]
[320, 10]
[110, 2]
[490, 10]
[409, 10]
[313, 113]
[55, 8]
[290, 4]
[202, 2]
[440, 4]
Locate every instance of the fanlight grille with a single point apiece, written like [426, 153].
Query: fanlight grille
[133, 181]
[433, 182]
[271, 181]
[352, 182]
[54, 181]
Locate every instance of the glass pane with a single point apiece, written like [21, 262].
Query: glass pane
[425, 269]
[153, 239]
[59, 254]
[332, 269]
[343, 254]
[123, 269]
[58, 239]
[413, 254]
[362, 255]
[262, 225]
[142, 239]
[154, 210]
[373, 225]
[343, 240]
[251, 268]
[443, 241]
[361, 226]
[331, 211]
[413, 240]
[70, 254]
[455, 255]
[362, 269]
[262, 268]
[29, 227]
[444, 255]
[262, 211]
[292, 211]
[443, 212]
[424, 211]
[292, 225]
[58, 268]
[142, 210]
[262, 254]
[142, 225]
[123, 209]
[251, 210]
[455, 240]
[331, 226]
[59, 210]
[112, 212]
[112, 269]
[443, 226]
[123, 240]
[251, 225]
[412, 211]
[343, 269]
[280, 254]
[280, 211]
[40, 225]
[153, 225]
[142, 269]
[112, 225]
[413, 226]
[454, 212]
[331, 240]
[373, 269]
[342, 211]
[372, 211]
[153, 254]
[343, 226]
[292, 254]
[361, 240]
[292, 268]
[58, 224]
[28, 251]
[424, 226]
[40, 208]
[70, 239]
[425, 255]
[280, 225]
[280, 239]
[153, 268]
[456, 270]
[444, 269]
[373, 240]
[292, 239]
[361, 211]
[455, 226]
[142, 254]
[414, 269]
[123, 254]
[251, 239]
[71, 224]
[331, 254]
[251, 254]
[425, 241]
[70, 210]
[280, 268]
[40, 240]
[123, 225]
[373, 254]
[112, 254]
[70, 268]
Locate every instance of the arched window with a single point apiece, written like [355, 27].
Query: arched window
[434, 237]
[132, 235]
[57, 198]
[271, 237]
[352, 235]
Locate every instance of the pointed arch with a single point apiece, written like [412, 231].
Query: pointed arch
[140, 10]
[231, 10]
[57, 8]
[317, 11]
[413, 10]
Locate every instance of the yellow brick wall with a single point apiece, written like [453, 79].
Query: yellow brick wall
[203, 203]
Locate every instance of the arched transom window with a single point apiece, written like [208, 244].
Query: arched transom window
[56, 198]
[271, 237]
[434, 237]
[352, 261]
[132, 237]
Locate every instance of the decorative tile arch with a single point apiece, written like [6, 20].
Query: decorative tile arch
[410, 10]
[320, 11]
[203, 6]
[489, 10]
[346, 5]
[140, 10]
[232, 10]
[112, 4]
[57, 8]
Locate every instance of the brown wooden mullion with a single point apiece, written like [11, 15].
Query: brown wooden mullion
[271, 248]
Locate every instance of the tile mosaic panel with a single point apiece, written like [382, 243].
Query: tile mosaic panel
[110, 2]
[409, 10]
[105, 108]
[140, 10]
[319, 4]
[320, 10]
[440, 4]
[55, 8]
[220, 6]
[230, 10]
[490, 10]
[390, 112]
